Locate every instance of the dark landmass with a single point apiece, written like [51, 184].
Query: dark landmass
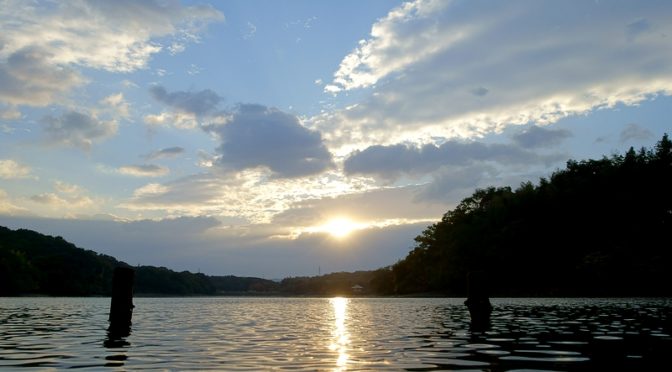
[596, 228]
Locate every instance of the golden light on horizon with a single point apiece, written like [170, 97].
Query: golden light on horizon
[340, 227]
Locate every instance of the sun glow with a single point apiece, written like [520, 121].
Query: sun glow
[340, 227]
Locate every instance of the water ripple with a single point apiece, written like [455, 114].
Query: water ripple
[336, 334]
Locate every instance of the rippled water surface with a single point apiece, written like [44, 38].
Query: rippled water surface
[337, 334]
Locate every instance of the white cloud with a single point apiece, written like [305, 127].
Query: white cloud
[144, 170]
[10, 169]
[117, 104]
[75, 129]
[467, 68]
[248, 194]
[175, 119]
[43, 43]
[109, 35]
[8, 208]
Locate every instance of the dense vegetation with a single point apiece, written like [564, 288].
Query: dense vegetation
[32, 263]
[598, 227]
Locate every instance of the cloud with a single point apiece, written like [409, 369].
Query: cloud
[59, 201]
[468, 68]
[258, 136]
[118, 36]
[10, 169]
[7, 208]
[117, 104]
[168, 152]
[28, 77]
[389, 162]
[197, 103]
[634, 132]
[176, 119]
[144, 170]
[43, 45]
[536, 136]
[74, 129]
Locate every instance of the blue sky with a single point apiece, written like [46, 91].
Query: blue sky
[270, 138]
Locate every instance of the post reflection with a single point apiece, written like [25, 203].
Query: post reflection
[340, 336]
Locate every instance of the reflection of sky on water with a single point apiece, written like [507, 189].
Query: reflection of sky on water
[340, 335]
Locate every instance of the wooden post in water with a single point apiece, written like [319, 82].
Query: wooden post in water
[478, 300]
[121, 305]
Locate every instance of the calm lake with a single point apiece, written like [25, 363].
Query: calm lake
[337, 334]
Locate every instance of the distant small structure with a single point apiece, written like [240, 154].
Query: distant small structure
[357, 288]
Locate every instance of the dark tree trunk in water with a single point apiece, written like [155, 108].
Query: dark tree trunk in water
[121, 306]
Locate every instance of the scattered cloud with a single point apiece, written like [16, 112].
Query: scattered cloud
[250, 31]
[634, 132]
[176, 119]
[9, 113]
[197, 103]
[8, 208]
[466, 69]
[390, 162]
[168, 152]
[28, 77]
[258, 136]
[75, 129]
[10, 169]
[144, 170]
[117, 36]
[535, 136]
[117, 104]
[638, 27]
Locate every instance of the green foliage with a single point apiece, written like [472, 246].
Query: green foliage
[598, 227]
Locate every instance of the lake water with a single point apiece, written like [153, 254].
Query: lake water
[337, 334]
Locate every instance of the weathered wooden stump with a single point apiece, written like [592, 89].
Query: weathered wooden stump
[478, 300]
[121, 305]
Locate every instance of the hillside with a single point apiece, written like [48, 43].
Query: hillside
[597, 228]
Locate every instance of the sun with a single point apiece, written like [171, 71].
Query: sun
[340, 227]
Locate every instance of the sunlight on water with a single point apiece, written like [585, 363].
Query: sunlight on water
[340, 336]
[337, 334]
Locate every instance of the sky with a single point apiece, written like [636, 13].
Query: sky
[290, 138]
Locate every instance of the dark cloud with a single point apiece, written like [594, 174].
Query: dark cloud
[391, 161]
[27, 78]
[638, 27]
[77, 130]
[167, 152]
[634, 132]
[535, 136]
[198, 103]
[480, 91]
[259, 136]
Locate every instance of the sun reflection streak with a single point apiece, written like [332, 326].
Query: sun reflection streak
[340, 335]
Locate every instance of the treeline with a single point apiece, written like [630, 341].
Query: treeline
[32, 263]
[597, 228]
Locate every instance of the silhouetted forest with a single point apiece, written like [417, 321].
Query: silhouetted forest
[32, 263]
[598, 227]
